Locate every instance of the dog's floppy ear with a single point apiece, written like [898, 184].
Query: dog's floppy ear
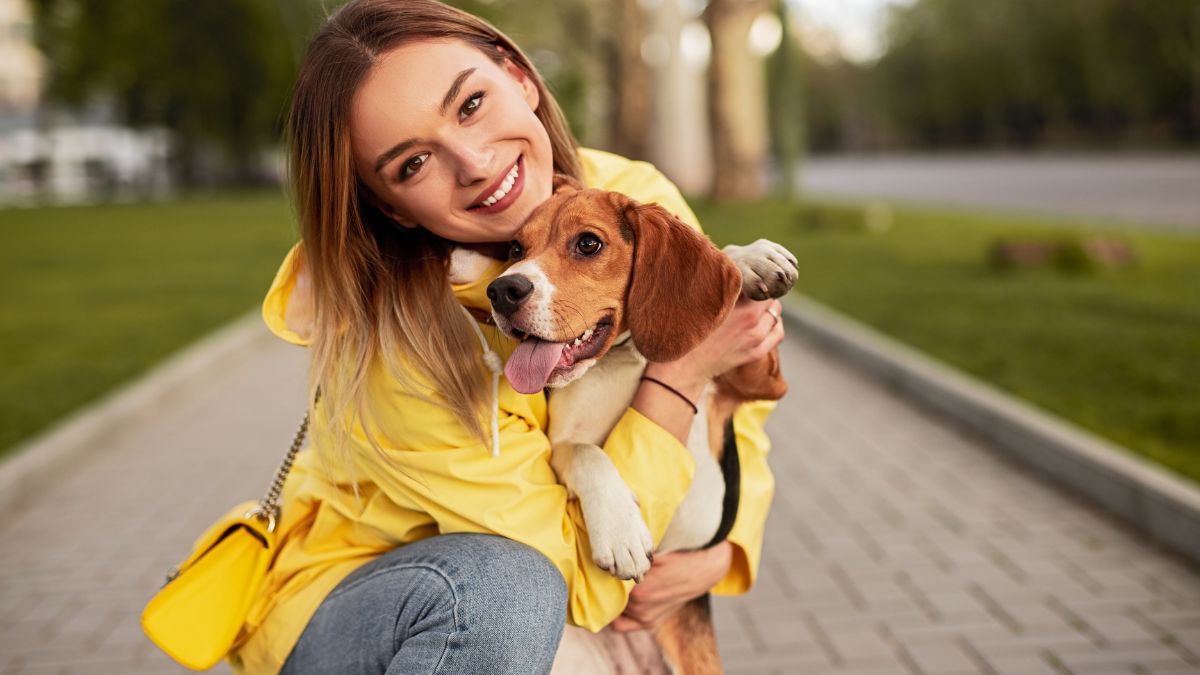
[681, 287]
[564, 183]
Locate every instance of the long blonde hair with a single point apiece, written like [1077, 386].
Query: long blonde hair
[381, 291]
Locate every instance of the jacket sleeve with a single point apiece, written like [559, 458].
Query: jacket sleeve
[426, 462]
[289, 290]
[757, 489]
[646, 184]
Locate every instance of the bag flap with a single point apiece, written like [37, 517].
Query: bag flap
[196, 617]
[234, 519]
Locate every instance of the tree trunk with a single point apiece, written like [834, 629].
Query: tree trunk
[184, 160]
[737, 101]
[785, 100]
[631, 127]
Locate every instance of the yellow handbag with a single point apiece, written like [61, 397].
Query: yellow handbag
[197, 614]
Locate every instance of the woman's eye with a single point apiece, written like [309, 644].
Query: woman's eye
[471, 105]
[516, 251]
[413, 165]
[588, 245]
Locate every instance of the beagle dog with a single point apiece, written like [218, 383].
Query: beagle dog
[600, 284]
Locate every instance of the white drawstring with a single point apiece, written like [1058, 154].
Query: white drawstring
[492, 360]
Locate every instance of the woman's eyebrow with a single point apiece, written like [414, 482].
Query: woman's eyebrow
[400, 147]
[454, 89]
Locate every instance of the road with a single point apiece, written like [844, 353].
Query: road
[1159, 191]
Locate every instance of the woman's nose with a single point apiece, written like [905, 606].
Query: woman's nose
[475, 164]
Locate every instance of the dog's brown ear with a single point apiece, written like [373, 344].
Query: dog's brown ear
[681, 287]
[564, 183]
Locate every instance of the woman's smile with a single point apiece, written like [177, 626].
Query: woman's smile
[503, 193]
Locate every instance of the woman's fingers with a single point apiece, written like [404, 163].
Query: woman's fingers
[747, 334]
[768, 331]
[770, 317]
[770, 321]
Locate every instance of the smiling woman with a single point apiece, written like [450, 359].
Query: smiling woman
[412, 538]
[469, 165]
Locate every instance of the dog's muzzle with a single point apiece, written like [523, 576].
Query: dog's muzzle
[508, 292]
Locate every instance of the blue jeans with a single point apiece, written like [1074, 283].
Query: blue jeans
[454, 603]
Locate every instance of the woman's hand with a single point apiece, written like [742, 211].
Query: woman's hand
[673, 579]
[750, 331]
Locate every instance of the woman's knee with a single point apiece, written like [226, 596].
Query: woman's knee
[508, 576]
[510, 592]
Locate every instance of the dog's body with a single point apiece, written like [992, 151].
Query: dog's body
[574, 308]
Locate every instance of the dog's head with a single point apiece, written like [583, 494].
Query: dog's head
[589, 265]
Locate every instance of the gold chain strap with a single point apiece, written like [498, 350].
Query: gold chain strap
[268, 506]
[270, 503]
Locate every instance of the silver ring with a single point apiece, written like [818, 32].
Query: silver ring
[773, 316]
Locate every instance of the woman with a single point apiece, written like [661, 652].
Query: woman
[414, 125]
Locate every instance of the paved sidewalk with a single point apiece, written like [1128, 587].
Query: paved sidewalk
[895, 545]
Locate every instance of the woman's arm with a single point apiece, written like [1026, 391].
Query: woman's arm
[673, 579]
[427, 464]
[676, 578]
[729, 568]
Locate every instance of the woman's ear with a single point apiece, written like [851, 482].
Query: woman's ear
[528, 89]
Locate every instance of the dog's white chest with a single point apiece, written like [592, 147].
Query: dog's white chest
[585, 411]
[699, 515]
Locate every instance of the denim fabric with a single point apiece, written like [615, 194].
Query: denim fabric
[455, 603]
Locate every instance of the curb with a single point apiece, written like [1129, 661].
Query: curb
[37, 461]
[1154, 501]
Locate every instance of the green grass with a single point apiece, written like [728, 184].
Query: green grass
[91, 297]
[1115, 350]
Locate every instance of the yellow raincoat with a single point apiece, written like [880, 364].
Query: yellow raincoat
[448, 481]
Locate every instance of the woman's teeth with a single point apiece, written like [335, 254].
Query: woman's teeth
[504, 187]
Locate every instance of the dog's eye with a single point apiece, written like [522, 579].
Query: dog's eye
[588, 245]
[516, 251]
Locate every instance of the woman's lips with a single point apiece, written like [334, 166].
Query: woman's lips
[508, 199]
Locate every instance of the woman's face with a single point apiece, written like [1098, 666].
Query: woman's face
[447, 139]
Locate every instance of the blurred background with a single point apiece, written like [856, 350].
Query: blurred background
[1012, 186]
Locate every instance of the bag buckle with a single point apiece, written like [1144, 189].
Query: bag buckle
[264, 515]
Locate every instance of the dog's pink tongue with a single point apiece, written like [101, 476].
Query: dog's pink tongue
[531, 364]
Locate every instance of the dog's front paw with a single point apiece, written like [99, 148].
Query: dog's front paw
[621, 542]
[768, 269]
[467, 265]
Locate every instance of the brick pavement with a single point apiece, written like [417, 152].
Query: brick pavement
[895, 546]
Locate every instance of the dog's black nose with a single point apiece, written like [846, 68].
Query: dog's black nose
[508, 292]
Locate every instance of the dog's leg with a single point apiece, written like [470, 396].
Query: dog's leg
[768, 269]
[582, 414]
[621, 542]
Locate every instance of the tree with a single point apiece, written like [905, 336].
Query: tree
[1030, 71]
[211, 71]
[786, 104]
[737, 100]
[631, 118]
